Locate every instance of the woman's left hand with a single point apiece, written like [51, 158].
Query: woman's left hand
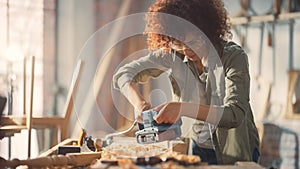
[168, 112]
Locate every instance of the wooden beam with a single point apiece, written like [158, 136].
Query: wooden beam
[264, 18]
[29, 115]
[54, 150]
[71, 159]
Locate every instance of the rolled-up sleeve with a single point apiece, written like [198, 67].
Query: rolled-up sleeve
[237, 85]
[141, 70]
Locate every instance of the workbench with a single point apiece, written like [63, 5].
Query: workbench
[91, 160]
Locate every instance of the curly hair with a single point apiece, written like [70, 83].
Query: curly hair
[209, 16]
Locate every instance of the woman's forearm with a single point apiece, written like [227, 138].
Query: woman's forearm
[200, 112]
[132, 93]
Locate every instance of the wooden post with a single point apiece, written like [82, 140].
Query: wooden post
[24, 86]
[29, 116]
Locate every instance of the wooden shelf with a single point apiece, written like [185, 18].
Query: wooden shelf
[264, 18]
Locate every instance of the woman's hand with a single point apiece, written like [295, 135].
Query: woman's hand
[143, 106]
[167, 112]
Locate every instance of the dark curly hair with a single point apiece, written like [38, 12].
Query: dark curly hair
[209, 16]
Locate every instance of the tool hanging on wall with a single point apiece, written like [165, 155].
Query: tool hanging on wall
[291, 6]
[261, 45]
[263, 85]
[277, 7]
[242, 32]
[270, 36]
[291, 44]
[286, 6]
[271, 43]
[243, 37]
[246, 9]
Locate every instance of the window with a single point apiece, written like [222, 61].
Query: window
[21, 34]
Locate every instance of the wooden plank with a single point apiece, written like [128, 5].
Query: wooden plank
[53, 150]
[72, 159]
[10, 130]
[264, 18]
[248, 165]
[13, 120]
[37, 122]
[12, 127]
[29, 115]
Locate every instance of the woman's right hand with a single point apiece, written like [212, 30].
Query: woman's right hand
[143, 106]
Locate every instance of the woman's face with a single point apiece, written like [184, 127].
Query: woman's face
[184, 47]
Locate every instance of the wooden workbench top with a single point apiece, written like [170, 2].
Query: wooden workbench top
[238, 165]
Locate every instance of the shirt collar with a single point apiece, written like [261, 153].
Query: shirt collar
[185, 59]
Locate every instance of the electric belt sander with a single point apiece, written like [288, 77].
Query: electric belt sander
[154, 132]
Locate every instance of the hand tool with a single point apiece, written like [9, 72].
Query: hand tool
[154, 132]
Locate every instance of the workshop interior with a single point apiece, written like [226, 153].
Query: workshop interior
[57, 63]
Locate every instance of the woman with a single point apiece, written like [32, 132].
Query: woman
[224, 131]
